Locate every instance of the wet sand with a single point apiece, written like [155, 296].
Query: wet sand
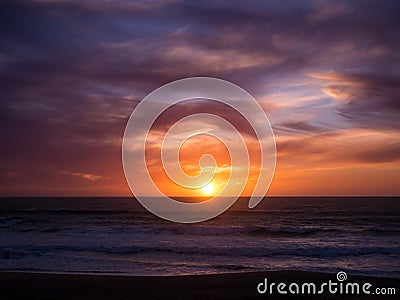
[20, 285]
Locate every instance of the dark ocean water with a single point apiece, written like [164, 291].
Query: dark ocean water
[115, 235]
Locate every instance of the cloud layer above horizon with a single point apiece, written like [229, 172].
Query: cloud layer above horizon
[325, 72]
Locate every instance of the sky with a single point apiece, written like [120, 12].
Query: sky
[326, 73]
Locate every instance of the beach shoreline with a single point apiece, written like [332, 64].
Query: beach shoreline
[29, 285]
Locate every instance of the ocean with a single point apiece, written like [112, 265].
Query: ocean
[359, 235]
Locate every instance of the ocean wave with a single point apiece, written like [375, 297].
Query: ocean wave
[69, 211]
[382, 231]
[251, 230]
[97, 227]
[20, 251]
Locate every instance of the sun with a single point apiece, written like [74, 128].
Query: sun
[208, 189]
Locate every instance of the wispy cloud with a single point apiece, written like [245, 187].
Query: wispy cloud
[88, 176]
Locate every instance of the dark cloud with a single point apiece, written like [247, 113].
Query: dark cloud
[382, 153]
[343, 147]
[297, 127]
[189, 107]
[368, 100]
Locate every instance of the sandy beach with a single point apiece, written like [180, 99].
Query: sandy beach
[18, 285]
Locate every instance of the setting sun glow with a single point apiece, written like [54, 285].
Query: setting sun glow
[208, 189]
